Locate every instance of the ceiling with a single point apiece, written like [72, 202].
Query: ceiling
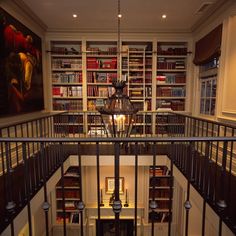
[137, 15]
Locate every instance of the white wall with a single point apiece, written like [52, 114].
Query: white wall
[228, 85]
[225, 103]
[195, 213]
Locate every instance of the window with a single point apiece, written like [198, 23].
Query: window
[208, 85]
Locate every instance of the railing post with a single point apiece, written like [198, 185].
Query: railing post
[11, 205]
[63, 189]
[171, 189]
[153, 204]
[136, 189]
[117, 206]
[46, 205]
[27, 185]
[187, 203]
[221, 204]
[98, 190]
[81, 203]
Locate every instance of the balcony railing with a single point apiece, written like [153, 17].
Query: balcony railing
[204, 151]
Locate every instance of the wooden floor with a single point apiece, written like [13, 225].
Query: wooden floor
[13, 187]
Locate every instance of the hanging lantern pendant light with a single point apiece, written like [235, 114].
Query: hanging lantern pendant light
[118, 113]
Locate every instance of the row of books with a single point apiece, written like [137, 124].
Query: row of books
[171, 119]
[137, 130]
[163, 63]
[71, 218]
[160, 182]
[100, 51]
[66, 63]
[171, 91]
[148, 91]
[69, 119]
[67, 77]
[175, 105]
[61, 105]
[136, 93]
[171, 50]
[69, 193]
[66, 50]
[100, 77]
[94, 63]
[159, 170]
[159, 193]
[158, 216]
[171, 78]
[67, 91]
[99, 91]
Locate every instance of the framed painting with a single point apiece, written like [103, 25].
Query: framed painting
[110, 185]
[21, 80]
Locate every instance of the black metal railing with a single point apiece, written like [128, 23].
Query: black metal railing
[204, 151]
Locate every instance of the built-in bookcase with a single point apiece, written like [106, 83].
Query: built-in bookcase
[101, 66]
[71, 195]
[171, 75]
[160, 190]
[156, 78]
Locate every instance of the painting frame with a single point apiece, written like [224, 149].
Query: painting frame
[110, 185]
[21, 70]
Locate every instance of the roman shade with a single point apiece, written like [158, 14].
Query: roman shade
[208, 47]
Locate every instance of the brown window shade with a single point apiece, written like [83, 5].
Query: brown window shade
[208, 47]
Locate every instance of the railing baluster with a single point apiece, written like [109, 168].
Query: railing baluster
[98, 190]
[11, 205]
[63, 189]
[171, 188]
[229, 193]
[45, 204]
[27, 184]
[205, 185]
[135, 189]
[221, 204]
[80, 191]
[117, 197]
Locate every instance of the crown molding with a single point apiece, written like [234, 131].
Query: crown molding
[30, 14]
[114, 31]
[212, 13]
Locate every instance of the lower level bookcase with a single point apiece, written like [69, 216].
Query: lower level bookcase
[71, 195]
[160, 190]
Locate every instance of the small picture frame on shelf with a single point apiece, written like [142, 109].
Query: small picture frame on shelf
[110, 185]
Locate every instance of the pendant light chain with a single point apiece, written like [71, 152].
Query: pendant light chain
[119, 74]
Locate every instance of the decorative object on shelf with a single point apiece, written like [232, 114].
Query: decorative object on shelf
[118, 113]
[79, 205]
[110, 185]
[126, 198]
[112, 198]
[153, 205]
[101, 199]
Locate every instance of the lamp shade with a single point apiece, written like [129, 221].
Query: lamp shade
[118, 113]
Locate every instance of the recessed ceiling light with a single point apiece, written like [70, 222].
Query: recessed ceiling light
[163, 16]
[119, 15]
[74, 15]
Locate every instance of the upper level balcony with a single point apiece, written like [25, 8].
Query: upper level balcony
[174, 175]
